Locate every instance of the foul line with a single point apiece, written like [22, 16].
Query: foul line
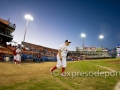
[107, 68]
[117, 86]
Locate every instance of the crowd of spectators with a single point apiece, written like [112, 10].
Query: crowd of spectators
[41, 49]
[31, 52]
[37, 53]
[80, 57]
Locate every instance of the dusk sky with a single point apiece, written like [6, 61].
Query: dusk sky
[58, 20]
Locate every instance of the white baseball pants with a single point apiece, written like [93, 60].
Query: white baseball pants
[18, 57]
[61, 62]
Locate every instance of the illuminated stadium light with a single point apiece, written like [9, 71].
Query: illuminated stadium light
[83, 36]
[101, 36]
[28, 18]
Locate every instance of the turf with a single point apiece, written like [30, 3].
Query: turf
[81, 75]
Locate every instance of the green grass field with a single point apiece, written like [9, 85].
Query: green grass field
[81, 75]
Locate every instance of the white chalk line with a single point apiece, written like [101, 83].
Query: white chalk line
[107, 68]
[117, 86]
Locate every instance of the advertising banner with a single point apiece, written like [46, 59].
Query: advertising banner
[79, 48]
[89, 48]
[105, 49]
[98, 49]
[93, 48]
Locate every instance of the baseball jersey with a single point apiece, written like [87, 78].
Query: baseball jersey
[18, 50]
[64, 50]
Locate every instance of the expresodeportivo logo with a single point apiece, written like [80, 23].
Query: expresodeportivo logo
[97, 73]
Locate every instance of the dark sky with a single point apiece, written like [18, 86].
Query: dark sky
[58, 20]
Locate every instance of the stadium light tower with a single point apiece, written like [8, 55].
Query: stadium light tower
[101, 37]
[83, 36]
[28, 18]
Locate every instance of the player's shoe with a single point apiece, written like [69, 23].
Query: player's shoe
[63, 74]
[51, 72]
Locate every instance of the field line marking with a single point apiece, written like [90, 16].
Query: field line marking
[107, 68]
[117, 86]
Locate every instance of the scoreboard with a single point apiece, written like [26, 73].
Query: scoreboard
[89, 48]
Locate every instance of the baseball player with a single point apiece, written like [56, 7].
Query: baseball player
[14, 53]
[61, 58]
[18, 55]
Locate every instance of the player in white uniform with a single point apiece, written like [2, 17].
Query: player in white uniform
[61, 58]
[14, 53]
[18, 55]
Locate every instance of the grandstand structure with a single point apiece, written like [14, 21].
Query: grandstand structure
[91, 52]
[46, 53]
[6, 29]
[40, 49]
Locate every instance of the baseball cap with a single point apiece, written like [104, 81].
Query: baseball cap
[67, 41]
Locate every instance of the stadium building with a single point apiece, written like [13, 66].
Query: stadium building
[6, 30]
[90, 53]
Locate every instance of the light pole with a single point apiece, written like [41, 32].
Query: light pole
[101, 37]
[28, 18]
[83, 36]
